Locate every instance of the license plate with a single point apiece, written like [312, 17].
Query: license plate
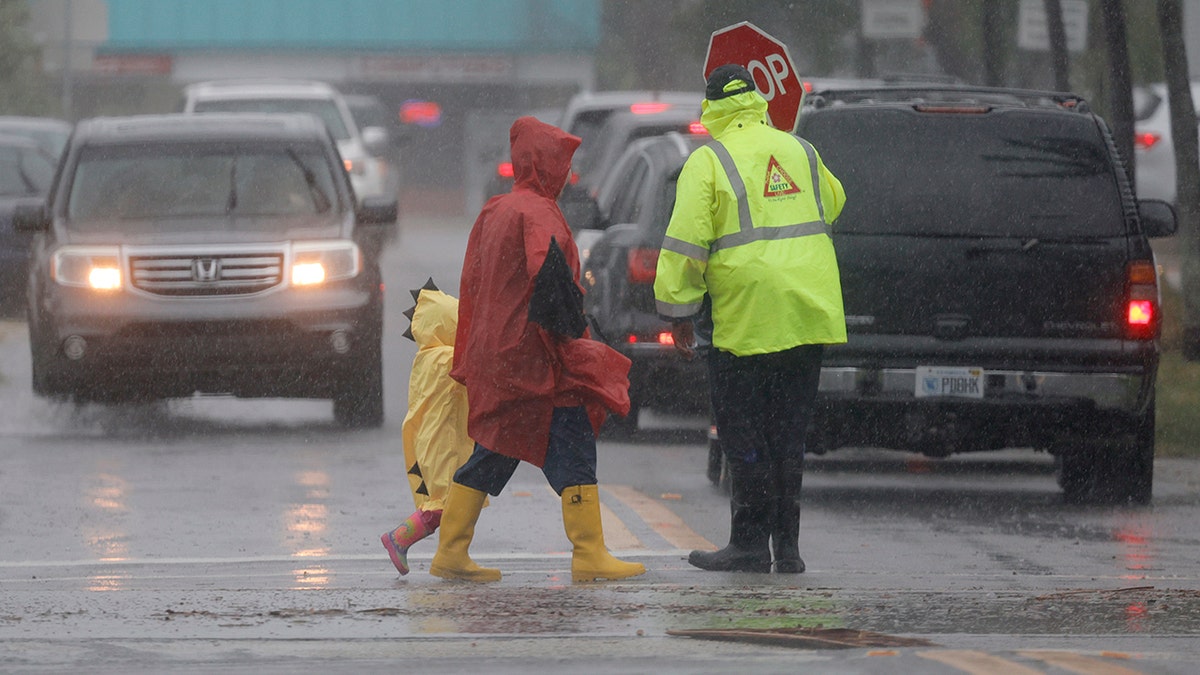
[949, 381]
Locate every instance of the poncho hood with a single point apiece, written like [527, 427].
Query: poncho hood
[541, 156]
[435, 319]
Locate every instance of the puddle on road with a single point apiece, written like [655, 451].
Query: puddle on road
[569, 610]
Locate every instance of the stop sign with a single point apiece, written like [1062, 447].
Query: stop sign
[768, 61]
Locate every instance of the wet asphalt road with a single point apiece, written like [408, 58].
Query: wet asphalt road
[220, 534]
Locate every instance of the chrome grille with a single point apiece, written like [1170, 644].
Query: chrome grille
[201, 274]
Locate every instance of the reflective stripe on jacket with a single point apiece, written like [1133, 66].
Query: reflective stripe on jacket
[751, 229]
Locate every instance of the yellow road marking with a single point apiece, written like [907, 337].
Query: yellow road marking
[1078, 663]
[660, 518]
[978, 663]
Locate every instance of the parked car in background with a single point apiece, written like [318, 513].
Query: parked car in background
[370, 114]
[593, 162]
[1022, 315]
[217, 253]
[50, 134]
[26, 171]
[1153, 149]
[357, 146]
[620, 255]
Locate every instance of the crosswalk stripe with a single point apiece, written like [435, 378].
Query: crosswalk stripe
[661, 519]
[978, 663]
[1078, 663]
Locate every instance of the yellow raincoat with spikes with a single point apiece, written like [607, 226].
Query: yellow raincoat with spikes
[435, 429]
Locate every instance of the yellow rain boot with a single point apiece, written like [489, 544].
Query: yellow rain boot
[581, 519]
[457, 529]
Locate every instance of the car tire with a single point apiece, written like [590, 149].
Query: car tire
[1106, 472]
[358, 402]
[42, 379]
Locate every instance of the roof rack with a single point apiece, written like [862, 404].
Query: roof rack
[946, 94]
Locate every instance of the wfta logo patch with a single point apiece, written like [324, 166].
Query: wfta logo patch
[778, 182]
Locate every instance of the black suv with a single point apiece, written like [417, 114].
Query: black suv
[999, 285]
[216, 253]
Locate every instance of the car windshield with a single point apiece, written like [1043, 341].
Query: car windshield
[24, 172]
[324, 108]
[1013, 174]
[187, 180]
[51, 140]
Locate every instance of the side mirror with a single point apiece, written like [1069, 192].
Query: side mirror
[1157, 217]
[377, 211]
[375, 140]
[585, 239]
[31, 216]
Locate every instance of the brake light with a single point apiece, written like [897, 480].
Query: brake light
[1141, 312]
[697, 128]
[643, 265]
[663, 338]
[807, 86]
[574, 179]
[649, 108]
[1142, 318]
[1146, 140]
[504, 170]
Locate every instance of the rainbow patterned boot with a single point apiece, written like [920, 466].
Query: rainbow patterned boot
[419, 525]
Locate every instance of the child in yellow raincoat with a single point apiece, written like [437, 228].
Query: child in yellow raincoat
[435, 429]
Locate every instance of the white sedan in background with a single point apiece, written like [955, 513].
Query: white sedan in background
[1153, 150]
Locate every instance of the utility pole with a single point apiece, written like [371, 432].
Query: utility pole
[1121, 82]
[1057, 33]
[68, 83]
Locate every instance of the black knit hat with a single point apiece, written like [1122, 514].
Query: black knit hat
[714, 89]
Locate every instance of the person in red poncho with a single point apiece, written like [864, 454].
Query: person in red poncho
[537, 388]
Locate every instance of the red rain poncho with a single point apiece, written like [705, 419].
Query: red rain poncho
[515, 372]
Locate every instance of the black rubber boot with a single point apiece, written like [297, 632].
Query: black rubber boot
[751, 512]
[785, 533]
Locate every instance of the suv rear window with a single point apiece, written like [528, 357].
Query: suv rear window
[187, 180]
[1000, 174]
[325, 109]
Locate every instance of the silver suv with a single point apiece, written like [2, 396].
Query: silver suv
[360, 148]
[182, 254]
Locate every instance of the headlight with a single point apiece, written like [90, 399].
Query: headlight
[315, 262]
[96, 267]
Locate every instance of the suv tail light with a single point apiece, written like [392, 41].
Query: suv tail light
[1142, 318]
[643, 265]
[504, 170]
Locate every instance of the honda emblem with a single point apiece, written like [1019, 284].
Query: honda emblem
[206, 269]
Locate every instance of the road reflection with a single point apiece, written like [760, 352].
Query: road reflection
[305, 526]
[106, 493]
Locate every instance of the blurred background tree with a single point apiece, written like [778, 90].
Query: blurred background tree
[25, 90]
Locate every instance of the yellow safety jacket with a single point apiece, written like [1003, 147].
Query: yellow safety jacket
[751, 228]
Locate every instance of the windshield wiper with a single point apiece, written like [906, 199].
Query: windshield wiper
[320, 199]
